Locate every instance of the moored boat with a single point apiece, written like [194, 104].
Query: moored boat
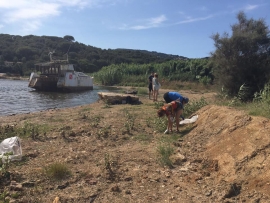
[59, 75]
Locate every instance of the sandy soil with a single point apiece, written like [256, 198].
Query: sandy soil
[112, 154]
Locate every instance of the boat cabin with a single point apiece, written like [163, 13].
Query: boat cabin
[57, 67]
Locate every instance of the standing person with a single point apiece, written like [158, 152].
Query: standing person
[150, 85]
[156, 86]
[172, 110]
[172, 96]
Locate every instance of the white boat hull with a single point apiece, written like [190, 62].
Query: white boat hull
[71, 82]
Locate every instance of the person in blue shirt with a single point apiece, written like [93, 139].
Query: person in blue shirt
[173, 96]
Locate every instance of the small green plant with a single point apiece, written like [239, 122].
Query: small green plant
[57, 171]
[104, 132]
[95, 121]
[5, 164]
[160, 124]
[148, 122]
[194, 106]
[130, 120]
[142, 91]
[107, 104]
[143, 138]
[205, 80]
[158, 105]
[261, 103]
[242, 96]
[33, 130]
[108, 163]
[15, 195]
[86, 109]
[165, 150]
[84, 116]
[3, 197]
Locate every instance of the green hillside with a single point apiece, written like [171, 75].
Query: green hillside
[25, 51]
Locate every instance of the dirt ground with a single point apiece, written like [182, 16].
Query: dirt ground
[112, 154]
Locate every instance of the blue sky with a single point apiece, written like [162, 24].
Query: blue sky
[180, 27]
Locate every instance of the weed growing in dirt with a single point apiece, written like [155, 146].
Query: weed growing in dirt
[130, 120]
[261, 103]
[33, 130]
[108, 163]
[142, 91]
[160, 124]
[258, 109]
[107, 104]
[15, 195]
[57, 171]
[95, 121]
[104, 132]
[142, 137]
[86, 109]
[169, 139]
[148, 122]
[165, 150]
[8, 131]
[158, 105]
[4, 165]
[56, 119]
[84, 116]
[3, 197]
[194, 106]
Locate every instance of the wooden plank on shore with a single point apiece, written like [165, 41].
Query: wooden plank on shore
[118, 98]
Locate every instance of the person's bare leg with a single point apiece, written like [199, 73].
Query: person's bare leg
[170, 123]
[177, 116]
[155, 95]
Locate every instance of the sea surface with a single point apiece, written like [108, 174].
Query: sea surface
[16, 98]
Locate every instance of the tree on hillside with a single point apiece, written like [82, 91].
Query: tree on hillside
[69, 38]
[243, 57]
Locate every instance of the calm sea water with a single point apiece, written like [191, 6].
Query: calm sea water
[16, 97]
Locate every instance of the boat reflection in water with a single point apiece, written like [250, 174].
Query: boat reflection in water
[59, 76]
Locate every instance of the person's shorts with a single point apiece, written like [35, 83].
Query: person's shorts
[150, 87]
[167, 98]
[179, 106]
[155, 87]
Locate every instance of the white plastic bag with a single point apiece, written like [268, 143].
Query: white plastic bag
[11, 145]
[190, 120]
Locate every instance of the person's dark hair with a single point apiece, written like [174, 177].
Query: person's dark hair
[156, 75]
[186, 100]
[161, 112]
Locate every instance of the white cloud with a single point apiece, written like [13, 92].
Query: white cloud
[30, 14]
[31, 26]
[147, 23]
[1, 26]
[250, 7]
[191, 20]
[38, 11]
[203, 8]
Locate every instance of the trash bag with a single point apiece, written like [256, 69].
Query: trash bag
[190, 120]
[11, 149]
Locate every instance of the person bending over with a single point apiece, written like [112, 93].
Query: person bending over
[172, 110]
[172, 96]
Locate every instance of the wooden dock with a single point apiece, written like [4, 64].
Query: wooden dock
[118, 98]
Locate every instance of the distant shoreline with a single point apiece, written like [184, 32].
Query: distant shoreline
[13, 78]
